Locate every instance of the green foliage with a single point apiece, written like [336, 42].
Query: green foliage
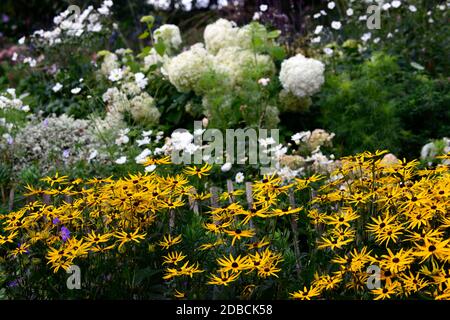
[379, 105]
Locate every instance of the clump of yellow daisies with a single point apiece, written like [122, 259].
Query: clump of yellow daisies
[370, 215]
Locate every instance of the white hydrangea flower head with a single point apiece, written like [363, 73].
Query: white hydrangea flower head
[185, 70]
[234, 60]
[170, 35]
[302, 76]
[220, 34]
[143, 109]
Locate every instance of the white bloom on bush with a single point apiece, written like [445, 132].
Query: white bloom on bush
[92, 155]
[234, 61]
[147, 133]
[110, 62]
[366, 36]
[264, 81]
[263, 7]
[185, 70]
[140, 80]
[121, 160]
[318, 29]
[220, 34]
[336, 25]
[302, 76]
[58, 86]
[142, 157]
[316, 39]
[226, 167]
[143, 110]
[116, 75]
[328, 51]
[150, 168]
[396, 3]
[170, 35]
[144, 141]
[331, 5]
[412, 8]
[123, 137]
[153, 58]
[76, 90]
[349, 12]
[239, 177]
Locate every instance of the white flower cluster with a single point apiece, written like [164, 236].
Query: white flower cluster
[55, 142]
[185, 70]
[169, 34]
[226, 51]
[70, 24]
[127, 95]
[302, 76]
[9, 100]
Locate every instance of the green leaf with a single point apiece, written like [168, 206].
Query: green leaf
[144, 35]
[274, 34]
[277, 52]
[160, 48]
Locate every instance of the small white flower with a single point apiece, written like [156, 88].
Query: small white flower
[58, 86]
[328, 51]
[318, 29]
[144, 141]
[150, 168]
[75, 90]
[92, 155]
[331, 5]
[121, 160]
[376, 40]
[366, 36]
[226, 167]
[336, 25]
[396, 3]
[264, 81]
[22, 40]
[317, 15]
[256, 16]
[115, 75]
[389, 35]
[140, 80]
[147, 133]
[25, 108]
[263, 7]
[412, 8]
[142, 157]
[349, 12]
[386, 6]
[239, 177]
[323, 12]
[316, 39]
[14, 56]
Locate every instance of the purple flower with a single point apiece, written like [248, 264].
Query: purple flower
[56, 221]
[5, 18]
[45, 122]
[66, 153]
[13, 283]
[65, 234]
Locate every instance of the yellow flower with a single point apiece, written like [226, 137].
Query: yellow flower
[173, 258]
[224, 279]
[306, 293]
[199, 172]
[125, 237]
[234, 265]
[168, 241]
[239, 233]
